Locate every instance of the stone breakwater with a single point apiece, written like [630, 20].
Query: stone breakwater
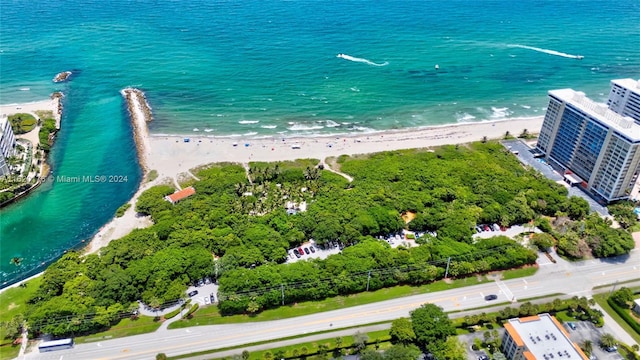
[62, 77]
[140, 114]
[56, 97]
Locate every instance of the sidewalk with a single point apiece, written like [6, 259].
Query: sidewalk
[611, 326]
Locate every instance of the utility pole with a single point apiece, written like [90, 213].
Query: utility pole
[282, 290]
[613, 288]
[446, 273]
[368, 279]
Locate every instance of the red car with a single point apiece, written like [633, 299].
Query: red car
[300, 251]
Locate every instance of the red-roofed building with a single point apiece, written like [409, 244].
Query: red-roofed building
[180, 195]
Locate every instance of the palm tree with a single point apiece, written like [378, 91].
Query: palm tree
[587, 346]
[607, 341]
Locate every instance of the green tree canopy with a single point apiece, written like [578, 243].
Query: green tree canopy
[431, 326]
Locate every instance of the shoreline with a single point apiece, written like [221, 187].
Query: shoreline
[53, 105]
[171, 156]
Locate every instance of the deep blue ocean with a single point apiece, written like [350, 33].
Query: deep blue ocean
[270, 68]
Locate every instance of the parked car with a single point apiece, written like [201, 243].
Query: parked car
[491, 297]
[207, 300]
[306, 251]
[212, 297]
[571, 325]
[312, 249]
[193, 293]
[296, 253]
[300, 251]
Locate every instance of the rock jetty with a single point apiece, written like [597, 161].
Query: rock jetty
[62, 77]
[140, 114]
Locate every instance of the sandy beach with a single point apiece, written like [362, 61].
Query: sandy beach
[31, 107]
[171, 155]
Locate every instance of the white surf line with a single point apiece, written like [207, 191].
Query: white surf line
[362, 60]
[548, 51]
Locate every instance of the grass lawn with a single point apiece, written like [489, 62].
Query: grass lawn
[8, 350]
[563, 316]
[518, 273]
[22, 123]
[126, 327]
[601, 299]
[210, 315]
[14, 301]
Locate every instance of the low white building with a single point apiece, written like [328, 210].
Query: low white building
[538, 337]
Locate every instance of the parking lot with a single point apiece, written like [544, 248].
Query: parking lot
[316, 252]
[585, 330]
[204, 293]
[526, 157]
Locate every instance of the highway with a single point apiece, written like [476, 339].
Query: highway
[560, 278]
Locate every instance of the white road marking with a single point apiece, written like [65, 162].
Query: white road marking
[505, 290]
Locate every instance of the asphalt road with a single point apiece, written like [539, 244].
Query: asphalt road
[560, 278]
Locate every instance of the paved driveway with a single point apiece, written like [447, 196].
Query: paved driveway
[526, 157]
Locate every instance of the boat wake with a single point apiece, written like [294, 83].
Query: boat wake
[547, 51]
[355, 59]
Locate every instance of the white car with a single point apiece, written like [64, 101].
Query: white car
[207, 300]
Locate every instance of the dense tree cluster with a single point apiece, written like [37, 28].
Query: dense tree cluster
[241, 221]
[371, 264]
[591, 236]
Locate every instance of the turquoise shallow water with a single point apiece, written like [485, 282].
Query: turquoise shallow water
[266, 68]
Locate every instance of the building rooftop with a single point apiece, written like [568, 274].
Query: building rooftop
[182, 194]
[622, 124]
[544, 338]
[631, 84]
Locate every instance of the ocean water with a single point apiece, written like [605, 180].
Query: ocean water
[270, 68]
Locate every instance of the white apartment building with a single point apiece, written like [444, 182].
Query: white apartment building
[624, 98]
[7, 144]
[594, 146]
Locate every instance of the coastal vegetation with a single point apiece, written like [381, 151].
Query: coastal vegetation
[47, 130]
[26, 165]
[237, 229]
[122, 209]
[22, 123]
